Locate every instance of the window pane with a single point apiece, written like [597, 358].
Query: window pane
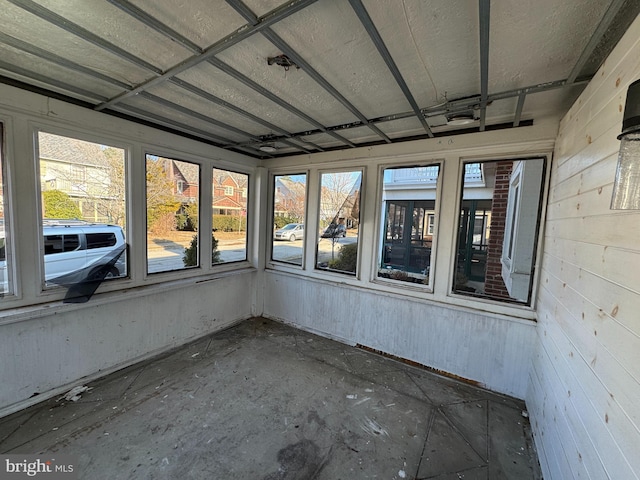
[5, 284]
[82, 193]
[289, 209]
[229, 216]
[339, 221]
[409, 202]
[173, 192]
[498, 229]
[100, 240]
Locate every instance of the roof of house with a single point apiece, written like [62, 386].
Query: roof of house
[70, 150]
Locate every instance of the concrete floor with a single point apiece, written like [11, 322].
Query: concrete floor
[265, 401]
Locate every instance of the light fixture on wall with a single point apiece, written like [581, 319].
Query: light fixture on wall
[626, 187]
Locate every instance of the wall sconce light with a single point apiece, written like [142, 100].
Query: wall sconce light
[626, 188]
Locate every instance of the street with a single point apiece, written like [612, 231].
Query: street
[167, 257]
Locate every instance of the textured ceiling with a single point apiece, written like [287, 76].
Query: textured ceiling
[362, 71]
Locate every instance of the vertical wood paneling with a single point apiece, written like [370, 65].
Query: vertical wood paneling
[586, 365]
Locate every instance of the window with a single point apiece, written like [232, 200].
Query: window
[229, 217]
[82, 188]
[172, 218]
[60, 243]
[409, 203]
[431, 221]
[5, 257]
[100, 240]
[498, 230]
[289, 209]
[339, 217]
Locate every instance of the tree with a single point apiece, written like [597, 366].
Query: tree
[58, 204]
[112, 206]
[190, 257]
[339, 200]
[347, 258]
[161, 202]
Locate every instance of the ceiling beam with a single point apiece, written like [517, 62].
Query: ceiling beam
[470, 103]
[484, 19]
[237, 36]
[600, 30]
[77, 30]
[60, 61]
[168, 32]
[519, 107]
[150, 21]
[309, 70]
[243, 10]
[31, 75]
[219, 141]
[192, 113]
[274, 98]
[218, 101]
[371, 29]
[540, 87]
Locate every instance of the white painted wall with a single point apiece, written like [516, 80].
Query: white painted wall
[48, 351]
[584, 393]
[493, 350]
[46, 346]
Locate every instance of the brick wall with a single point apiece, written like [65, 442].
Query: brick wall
[493, 284]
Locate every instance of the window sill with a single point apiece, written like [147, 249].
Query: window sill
[424, 295]
[51, 307]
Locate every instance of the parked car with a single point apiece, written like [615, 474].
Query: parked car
[291, 232]
[77, 251]
[334, 231]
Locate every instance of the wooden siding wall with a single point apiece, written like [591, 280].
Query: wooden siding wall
[584, 393]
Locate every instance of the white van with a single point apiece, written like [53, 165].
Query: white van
[76, 251]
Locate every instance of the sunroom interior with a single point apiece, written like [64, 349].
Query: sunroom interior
[427, 181]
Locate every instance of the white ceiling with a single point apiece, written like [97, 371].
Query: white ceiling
[370, 71]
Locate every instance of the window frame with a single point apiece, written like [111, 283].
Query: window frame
[51, 291]
[357, 275]
[495, 305]
[197, 267]
[6, 152]
[247, 214]
[380, 211]
[270, 262]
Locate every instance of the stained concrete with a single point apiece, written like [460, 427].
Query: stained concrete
[265, 401]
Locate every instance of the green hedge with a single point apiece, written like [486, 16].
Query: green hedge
[229, 223]
[280, 222]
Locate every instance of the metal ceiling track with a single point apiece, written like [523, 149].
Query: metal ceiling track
[248, 15]
[455, 106]
[274, 98]
[262, 25]
[159, 27]
[485, 16]
[601, 29]
[156, 25]
[371, 29]
[239, 35]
